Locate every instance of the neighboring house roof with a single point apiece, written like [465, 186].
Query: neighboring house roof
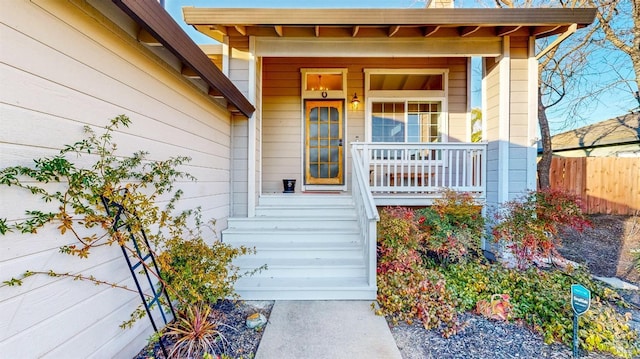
[620, 130]
[153, 18]
[423, 22]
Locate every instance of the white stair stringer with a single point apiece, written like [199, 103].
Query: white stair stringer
[312, 248]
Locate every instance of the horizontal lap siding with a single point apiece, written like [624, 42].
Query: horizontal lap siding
[519, 119]
[282, 121]
[492, 83]
[64, 67]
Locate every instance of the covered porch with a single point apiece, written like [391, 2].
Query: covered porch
[416, 174]
[369, 108]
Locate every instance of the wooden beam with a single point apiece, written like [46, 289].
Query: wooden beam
[393, 30]
[152, 17]
[241, 29]
[317, 29]
[278, 29]
[219, 28]
[430, 30]
[506, 30]
[215, 92]
[188, 72]
[541, 30]
[558, 40]
[146, 38]
[468, 30]
[232, 108]
[354, 31]
[206, 29]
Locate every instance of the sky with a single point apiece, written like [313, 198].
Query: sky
[608, 106]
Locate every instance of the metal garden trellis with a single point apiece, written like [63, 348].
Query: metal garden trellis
[143, 258]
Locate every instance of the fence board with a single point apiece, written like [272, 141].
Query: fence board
[608, 185]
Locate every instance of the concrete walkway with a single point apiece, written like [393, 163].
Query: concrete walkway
[326, 329]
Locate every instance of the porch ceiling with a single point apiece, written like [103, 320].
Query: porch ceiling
[397, 23]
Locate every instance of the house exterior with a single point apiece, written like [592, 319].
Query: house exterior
[616, 137]
[281, 107]
[67, 64]
[406, 137]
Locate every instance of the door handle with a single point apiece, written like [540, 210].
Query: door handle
[340, 142]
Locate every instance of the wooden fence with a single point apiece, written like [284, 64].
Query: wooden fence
[608, 185]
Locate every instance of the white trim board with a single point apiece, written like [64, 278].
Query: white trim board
[378, 47]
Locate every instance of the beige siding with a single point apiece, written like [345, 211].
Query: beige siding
[63, 67]
[240, 156]
[519, 118]
[491, 116]
[519, 170]
[239, 75]
[282, 107]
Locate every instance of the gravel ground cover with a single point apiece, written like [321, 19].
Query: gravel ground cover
[604, 249]
[480, 339]
[242, 342]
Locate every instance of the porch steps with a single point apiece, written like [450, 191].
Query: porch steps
[311, 245]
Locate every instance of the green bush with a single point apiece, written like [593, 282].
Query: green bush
[194, 271]
[541, 299]
[407, 290]
[453, 228]
[432, 288]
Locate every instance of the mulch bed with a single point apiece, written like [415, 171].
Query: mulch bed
[481, 338]
[241, 342]
[606, 247]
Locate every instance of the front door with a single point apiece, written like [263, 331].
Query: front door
[324, 142]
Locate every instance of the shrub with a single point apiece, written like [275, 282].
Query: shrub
[541, 299]
[529, 226]
[453, 227]
[407, 290]
[192, 270]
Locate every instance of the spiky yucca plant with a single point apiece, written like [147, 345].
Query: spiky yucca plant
[197, 333]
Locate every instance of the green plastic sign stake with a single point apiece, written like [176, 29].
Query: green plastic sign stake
[580, 303]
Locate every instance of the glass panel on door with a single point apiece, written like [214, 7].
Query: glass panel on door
[323, 143]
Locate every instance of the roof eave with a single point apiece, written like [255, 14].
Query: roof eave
[457, 17]
[154, 19]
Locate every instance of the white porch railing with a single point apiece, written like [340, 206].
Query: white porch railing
[423, 169]
[367, 214]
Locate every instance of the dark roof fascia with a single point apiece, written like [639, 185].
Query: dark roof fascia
[600, 145]
[624, 120]
[151, 16]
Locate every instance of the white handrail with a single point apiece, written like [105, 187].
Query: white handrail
[424, 168]
[367, 213]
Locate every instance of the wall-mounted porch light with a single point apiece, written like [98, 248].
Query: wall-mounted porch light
[355, 102]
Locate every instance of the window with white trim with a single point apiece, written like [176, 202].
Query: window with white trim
[406, 105]
[406, 121]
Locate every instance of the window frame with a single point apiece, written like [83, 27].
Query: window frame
[318, 94]
[407, 96]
